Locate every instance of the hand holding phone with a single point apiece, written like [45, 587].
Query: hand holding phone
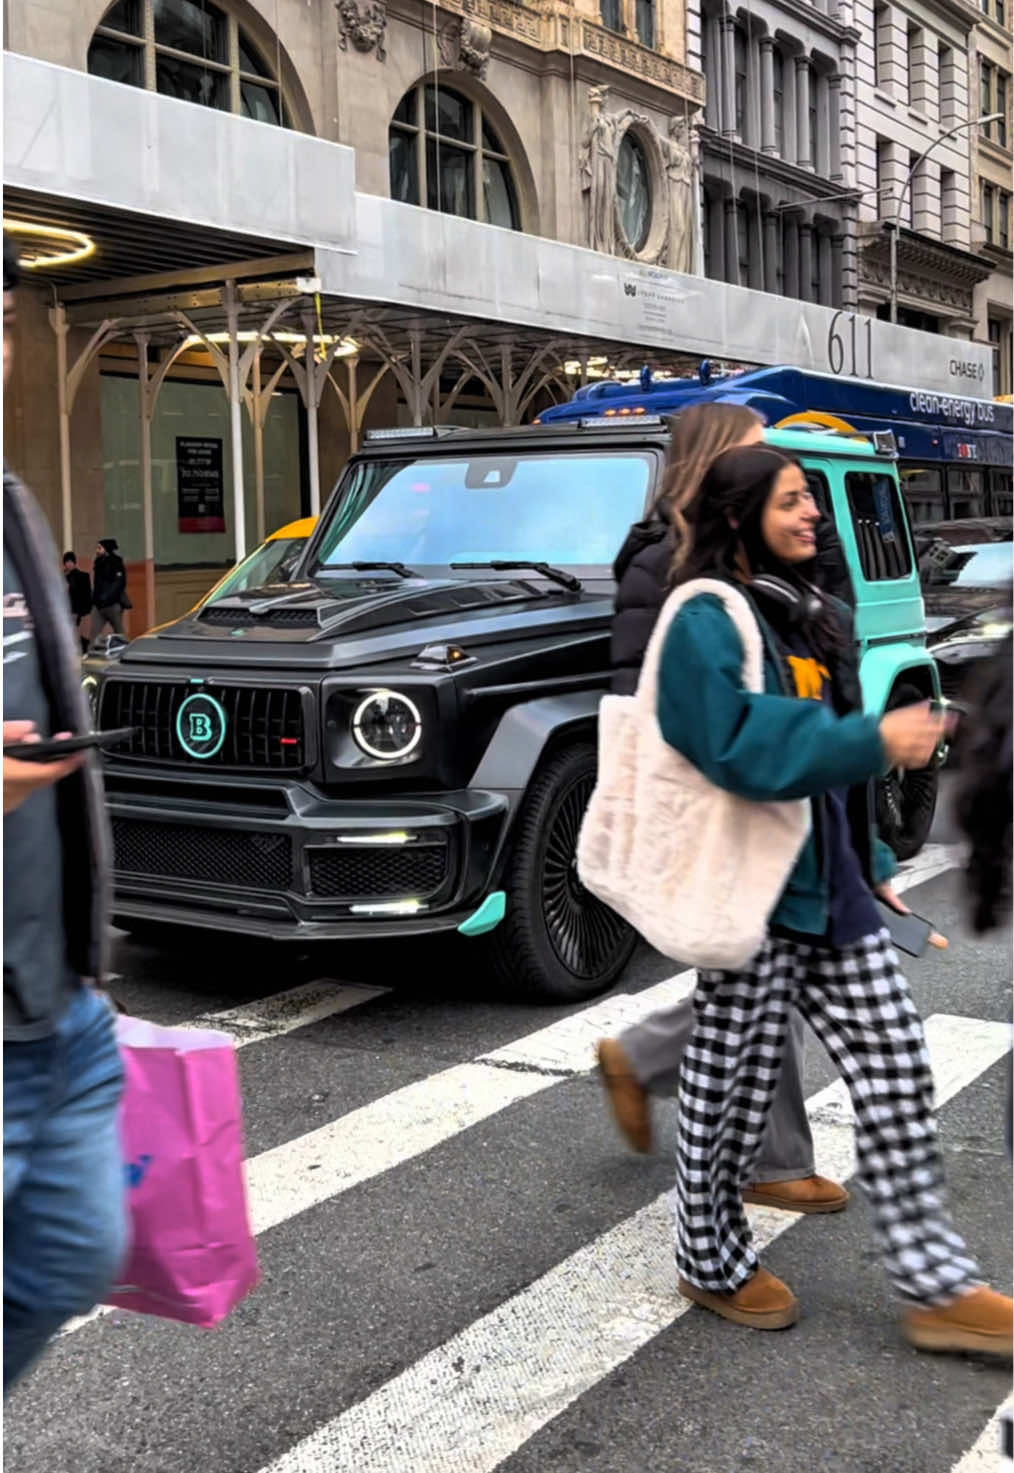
[909, 933]
[22, 779]
[34, 749]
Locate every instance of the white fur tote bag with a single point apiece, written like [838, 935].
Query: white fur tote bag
[696, 870]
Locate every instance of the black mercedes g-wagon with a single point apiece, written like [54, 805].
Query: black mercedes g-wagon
[402, 738]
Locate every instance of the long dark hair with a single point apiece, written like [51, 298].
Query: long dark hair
[724, 520]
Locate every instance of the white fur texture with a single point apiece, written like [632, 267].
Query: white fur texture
[696, 870]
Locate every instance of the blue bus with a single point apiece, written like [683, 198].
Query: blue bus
[954, 454]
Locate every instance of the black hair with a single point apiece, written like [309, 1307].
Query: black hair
[986, 790]
[12, 271]
[726, 538]
[70, 557]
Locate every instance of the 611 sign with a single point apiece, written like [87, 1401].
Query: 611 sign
[842, 348]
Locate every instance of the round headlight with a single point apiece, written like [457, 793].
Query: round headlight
[387, 725]
[90, 686]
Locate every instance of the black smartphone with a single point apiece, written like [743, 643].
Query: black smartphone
[54, 749]
[909, 933]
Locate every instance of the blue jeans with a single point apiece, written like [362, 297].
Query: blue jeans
[65, 1227]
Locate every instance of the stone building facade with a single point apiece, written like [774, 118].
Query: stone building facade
[521, 86]
[778, 146]
[992, 161]
[913, 90]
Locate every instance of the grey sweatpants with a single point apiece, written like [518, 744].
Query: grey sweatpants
[655, 1050]
[112, 615]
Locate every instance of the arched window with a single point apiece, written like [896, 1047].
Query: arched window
[445, 155]
[188, 49]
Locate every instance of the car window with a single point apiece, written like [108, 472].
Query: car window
[566, 508]
[272, 562]
[966, 489]
[971, 565]
[923, 486]
[879, 525]
[987, 566]
[1001, 495]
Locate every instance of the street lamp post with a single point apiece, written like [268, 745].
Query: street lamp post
[895, 225]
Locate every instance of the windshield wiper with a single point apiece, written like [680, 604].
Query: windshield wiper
[398, 568]
[499, 565]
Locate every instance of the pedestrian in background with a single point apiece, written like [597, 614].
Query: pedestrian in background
[64, 1215]
[826, 951]
[986, 791]
[109, 595]
[645, 1059]
[79, 592]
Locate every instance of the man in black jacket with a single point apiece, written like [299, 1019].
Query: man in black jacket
[79, 592]
[110, 587]
[64, 1220]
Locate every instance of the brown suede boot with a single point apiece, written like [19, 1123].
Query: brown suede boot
[981, 1320]
[763, 1302]
[628, 1098]
[807, 1194]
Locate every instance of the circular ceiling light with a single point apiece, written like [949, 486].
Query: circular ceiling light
[49, 245]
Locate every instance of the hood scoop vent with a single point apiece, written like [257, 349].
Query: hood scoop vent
[247, 618]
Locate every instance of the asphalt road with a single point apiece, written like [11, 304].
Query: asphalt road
[463, 1269]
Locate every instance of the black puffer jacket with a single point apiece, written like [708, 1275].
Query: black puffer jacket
[641, 571]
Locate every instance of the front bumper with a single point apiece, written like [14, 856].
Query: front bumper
[282, 860]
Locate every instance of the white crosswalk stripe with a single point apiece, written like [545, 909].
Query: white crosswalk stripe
[313, 1168]
[471, 1403]
[455, 1409]
[985, 1455]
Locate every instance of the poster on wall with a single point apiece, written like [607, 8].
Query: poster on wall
[200, 490]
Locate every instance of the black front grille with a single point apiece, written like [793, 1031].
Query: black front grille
[366, 873]
[263, 727]
[223, 857]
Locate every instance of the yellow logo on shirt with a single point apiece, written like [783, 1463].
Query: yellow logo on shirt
[809, 675]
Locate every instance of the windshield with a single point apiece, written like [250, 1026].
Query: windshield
[272, 562]
[987, 565]
[565, 509]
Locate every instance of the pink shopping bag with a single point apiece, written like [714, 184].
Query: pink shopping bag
[192, 1255]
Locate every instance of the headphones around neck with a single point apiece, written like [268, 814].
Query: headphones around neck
[795, 605]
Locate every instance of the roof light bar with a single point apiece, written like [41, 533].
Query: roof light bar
[598, 420]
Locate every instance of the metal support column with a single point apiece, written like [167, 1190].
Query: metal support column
[258, 439]
[146, 408]
[314, 383]
[58, 317]
[235, 421]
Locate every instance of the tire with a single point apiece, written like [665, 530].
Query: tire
[907, 801]
[557, 942]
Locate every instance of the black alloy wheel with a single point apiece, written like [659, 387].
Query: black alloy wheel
[907, 798]
[557, 943]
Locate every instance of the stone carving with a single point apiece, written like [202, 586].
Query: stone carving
[364, 23]
[598, 170]
[647, 63]
[680, 172]
[465, 46]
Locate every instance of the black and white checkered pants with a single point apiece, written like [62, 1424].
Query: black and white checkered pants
[857, 1002]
